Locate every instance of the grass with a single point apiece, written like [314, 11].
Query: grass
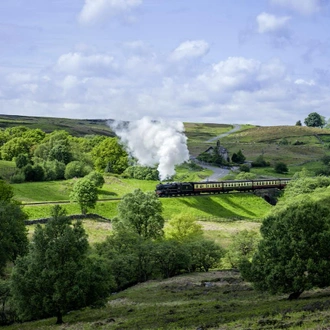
[198, 134]
[224, 232]
[7, 169]
[214, 300]
[223, 207]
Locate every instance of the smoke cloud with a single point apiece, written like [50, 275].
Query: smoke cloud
[154, 142]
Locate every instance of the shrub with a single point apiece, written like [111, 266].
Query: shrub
[18, 177]
[76, 169]
[260, 162]
[141, 173]
[281, 167]
[244, 168]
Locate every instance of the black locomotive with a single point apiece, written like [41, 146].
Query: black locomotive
[216, 187]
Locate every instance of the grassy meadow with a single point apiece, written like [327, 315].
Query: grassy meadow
[219, 299]
[213, 300]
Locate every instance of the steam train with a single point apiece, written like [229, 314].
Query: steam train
[216, 187]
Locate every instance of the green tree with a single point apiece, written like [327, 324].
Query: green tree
[109, 153]
[61, 152]
[298, 123]
[21, 160]
[140, 213]
[170, 257]
[293, 255]
[243, 246]
[16, 146]
[314, 120]
[183, 227]
[85, 194]
[97, 178]
[6, 191]
[13, 233]
[204, 254]
[281, 167]
[57, 276]
[238, 157]
[76, 169]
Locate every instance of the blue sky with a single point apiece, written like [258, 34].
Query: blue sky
[263, 62]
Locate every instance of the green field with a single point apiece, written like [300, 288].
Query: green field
[213, 300]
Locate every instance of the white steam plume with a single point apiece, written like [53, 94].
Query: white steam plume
[154, 142]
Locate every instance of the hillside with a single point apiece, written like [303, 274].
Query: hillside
[76, 127]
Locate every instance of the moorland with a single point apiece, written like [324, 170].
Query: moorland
[220, 298]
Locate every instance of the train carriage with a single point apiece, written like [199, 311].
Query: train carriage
[215, 187]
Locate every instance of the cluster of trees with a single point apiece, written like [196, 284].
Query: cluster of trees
[58, 155]
[293, 253]
[57, 271]
[141, 173]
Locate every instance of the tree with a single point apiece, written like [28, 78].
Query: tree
[294, 253]
[85, 194]
[61, 152]
[238, 157]
[141, 213]
[57, 276]
[204, 254]
[97, 178]
[183, 227]
[76, 169]
[6, 191]
[170, 257]
[16, 146]
[13, 233]
[21, 160]
[314, 120]
[281, 167]
[298, 123]
[243, 246]
[109, 153]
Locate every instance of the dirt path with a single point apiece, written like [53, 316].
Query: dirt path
[219, 172]
[235, 129]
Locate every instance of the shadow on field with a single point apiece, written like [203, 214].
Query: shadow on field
[106, 193]
[240, 206]
[209, 206]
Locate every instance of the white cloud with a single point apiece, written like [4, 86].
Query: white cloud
[98, 10]
[235, 89]
[270, 23]
[190, 49]
[305, 7]
[78, 63]
[310, 82]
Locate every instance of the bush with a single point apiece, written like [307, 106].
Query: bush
[244, 168]
[260, 162]
[245, 176]
[18, 177]
[141, 173]
[76, 169]
[283, 142]
[281, 168]
[33, 173]
[97, 178]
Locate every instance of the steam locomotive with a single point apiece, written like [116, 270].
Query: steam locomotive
[216, 187]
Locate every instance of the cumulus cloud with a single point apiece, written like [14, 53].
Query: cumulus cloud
[190, 49]
[77, 63]
[128, 86]
[95, 11]
[305, 7]
[270, 23]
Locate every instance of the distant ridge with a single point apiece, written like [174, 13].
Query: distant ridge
[76, 127]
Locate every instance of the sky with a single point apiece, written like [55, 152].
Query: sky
[260, 62]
